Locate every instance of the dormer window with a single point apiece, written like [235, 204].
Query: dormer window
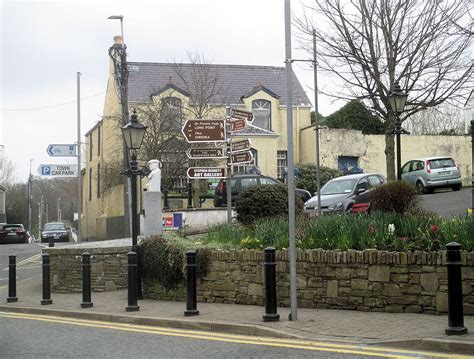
[262, 111]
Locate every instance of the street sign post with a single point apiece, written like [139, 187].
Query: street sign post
[241, 157]
[237, 125]
[205, 172]
[204, 130]
[205, 153]
[241, 145]
[61, 150]
[58, 170]
[241, 115]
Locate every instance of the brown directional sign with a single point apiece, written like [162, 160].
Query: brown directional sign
[241, 115]
[208, 152]
[204, 130]
[241, 145]
[206, 172]
[241, 157]
[237, 125]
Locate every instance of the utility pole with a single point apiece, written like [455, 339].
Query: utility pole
[40, 210]
[316, 122]
[291, 166]
[58, 209]
[30, 188]
[79, 175]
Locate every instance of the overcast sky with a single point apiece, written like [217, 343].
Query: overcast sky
[44, 45]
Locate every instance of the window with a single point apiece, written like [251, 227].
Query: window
[247, 183]
[171, 113]
[363, 184]
[374, 181]
[90, 146]
[265, 180]
[98, 181]
[282, 163]
[98, 141]
[262, 112]
[90, 184]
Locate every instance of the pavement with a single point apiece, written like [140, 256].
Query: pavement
[400, 330]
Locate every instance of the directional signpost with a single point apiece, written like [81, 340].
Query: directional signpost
[237, 125]
[205, 153]
[241, 115]
[241, 145]
[205, 172]
[58, 170]
[204, 130]
[241, 157]
[61, 150]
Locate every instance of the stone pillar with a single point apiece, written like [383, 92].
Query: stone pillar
[153, 217]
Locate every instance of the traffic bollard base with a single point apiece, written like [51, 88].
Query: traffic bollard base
[191, 312]
[46, 301]
[456, 330]
[87, 305]
[271, 317]
[132, 308]
[12, 299]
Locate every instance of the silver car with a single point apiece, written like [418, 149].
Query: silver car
[429, 173]
[341, 193]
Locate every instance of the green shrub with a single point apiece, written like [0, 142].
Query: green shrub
[397, 196]
[163, 259]
[307, 176]
[264, 201]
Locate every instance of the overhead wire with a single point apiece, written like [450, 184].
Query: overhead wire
[50, 106]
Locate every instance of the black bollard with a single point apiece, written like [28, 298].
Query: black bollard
[46, 282]
[191, 301]
[132, 283]
[12, 279]
[136, 249]
[86, 281]
[455, 309]
[190, 195]
[165, 199]
[271, 314]
[51, 241]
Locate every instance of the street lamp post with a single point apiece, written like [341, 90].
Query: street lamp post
[133, 133]
[30, 185]
[397, 100]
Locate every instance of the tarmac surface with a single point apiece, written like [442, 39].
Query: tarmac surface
[404, 330]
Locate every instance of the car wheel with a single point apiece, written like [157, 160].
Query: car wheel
[421, 188]
[456, 187]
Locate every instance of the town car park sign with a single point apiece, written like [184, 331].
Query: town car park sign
[58, 170]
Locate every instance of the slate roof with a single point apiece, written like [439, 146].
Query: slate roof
[236, 80]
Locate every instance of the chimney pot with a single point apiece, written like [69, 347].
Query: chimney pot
[117, 40]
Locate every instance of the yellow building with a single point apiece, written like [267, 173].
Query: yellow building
[194, 90]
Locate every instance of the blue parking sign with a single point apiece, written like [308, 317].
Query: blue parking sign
[45, 171]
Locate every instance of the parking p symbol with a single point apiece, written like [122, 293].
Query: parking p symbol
[46, 170]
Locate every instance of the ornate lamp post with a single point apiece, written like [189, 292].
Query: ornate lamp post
[133, 133]
[397, 100]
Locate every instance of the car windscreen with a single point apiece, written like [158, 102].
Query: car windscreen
[441, 163]
[14, 226]
[338, 186]
[54, 227]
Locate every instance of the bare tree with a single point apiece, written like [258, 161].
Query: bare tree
[372, 45]
[7, 169]
[443, 119]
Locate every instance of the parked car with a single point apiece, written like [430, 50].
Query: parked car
[13, 233]
[340, 194]
[429, 173]
[55, 230]
[244, 181]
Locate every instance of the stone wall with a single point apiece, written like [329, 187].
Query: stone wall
[108, 268]
[370, 280]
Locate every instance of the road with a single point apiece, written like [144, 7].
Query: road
[447, 202]
[36, 336]
[28, 259]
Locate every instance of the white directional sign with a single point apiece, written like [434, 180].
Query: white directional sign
[61, 150]
[58, 170]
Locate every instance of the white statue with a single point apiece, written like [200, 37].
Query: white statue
[154, 178]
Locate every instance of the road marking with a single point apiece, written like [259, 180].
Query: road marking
[24, 261]
[286, 343]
